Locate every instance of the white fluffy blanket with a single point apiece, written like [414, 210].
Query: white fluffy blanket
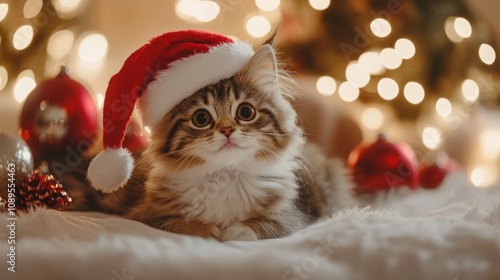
[452, 232]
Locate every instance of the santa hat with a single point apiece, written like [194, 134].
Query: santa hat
[158, 76]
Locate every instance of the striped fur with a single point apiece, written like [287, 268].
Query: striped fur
[241, 192]
[262, 185]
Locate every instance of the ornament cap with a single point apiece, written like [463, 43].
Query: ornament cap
[64, 71]
[381, 136]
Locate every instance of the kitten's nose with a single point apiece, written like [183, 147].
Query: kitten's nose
[227, 131]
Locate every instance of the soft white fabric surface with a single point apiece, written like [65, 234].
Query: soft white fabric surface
[449, 233]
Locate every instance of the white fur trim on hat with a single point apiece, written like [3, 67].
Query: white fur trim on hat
[110, 169]
[185, 76]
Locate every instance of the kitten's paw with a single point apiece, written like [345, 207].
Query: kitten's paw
[238, 231]
[215, 231]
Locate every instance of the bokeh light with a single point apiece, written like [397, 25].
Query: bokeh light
[470, 90]
[60, 44]
[490, 144]
[444, 107]
[319, 4]
[405, 48]
[357, 75]
[184, 8]
[32, 8]
[4, 77]
[380, 27]
[462, 27]
[258, 26]
[388, 88]
[370, 61]
[431, 138]
[93, 48]
[267, 5]
[66, 6]
[206, 11]
[372, 118]
[197, 10]
[451, 32]
[100, 100]
[23, 37]
[487, 54]
[348, 92]
[25, 83]
[326, 85]
[4, 9]
[390, 58]
[414, 92]
[477, 177]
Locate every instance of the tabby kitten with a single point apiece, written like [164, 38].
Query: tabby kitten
[229, 162]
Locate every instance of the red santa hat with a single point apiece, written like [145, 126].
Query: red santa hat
[158, 76]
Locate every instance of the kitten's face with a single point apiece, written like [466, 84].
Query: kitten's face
[242, 119]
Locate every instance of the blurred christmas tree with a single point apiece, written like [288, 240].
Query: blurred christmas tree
[424, 71]
[36, 35]
[407, 54]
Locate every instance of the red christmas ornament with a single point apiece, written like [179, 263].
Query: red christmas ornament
[383, 165]
[136, 138]
[41, 190]
[433, 173]
[59, 113]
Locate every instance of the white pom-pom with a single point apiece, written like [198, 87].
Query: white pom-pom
[110, 169]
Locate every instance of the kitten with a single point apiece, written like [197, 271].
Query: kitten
[230, 162]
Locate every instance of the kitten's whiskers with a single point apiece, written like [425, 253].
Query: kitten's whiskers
[189, 151]
[270, 152]
[202, 141]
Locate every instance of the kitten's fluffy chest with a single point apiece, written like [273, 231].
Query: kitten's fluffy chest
[226, 196]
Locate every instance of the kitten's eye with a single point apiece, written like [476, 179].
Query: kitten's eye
[201, 118]
[245, 112]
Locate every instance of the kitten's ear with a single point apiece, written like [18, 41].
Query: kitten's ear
[263, 67]
[271, 41]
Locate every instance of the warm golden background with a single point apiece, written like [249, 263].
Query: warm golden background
[455, 68]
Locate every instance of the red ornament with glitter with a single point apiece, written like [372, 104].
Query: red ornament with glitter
[41, 190]
[383, 165]
[59, 113]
